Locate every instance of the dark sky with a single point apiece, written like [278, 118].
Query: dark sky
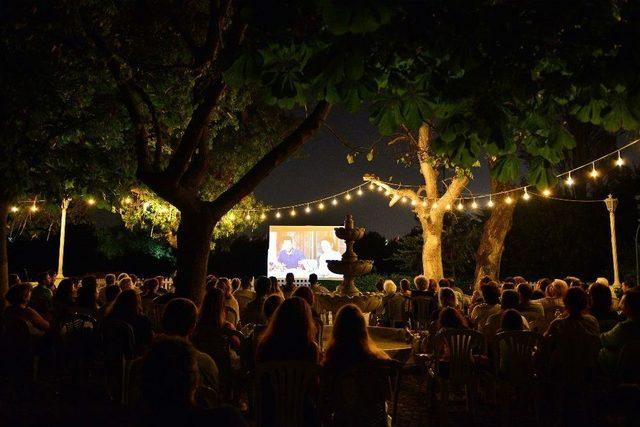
[320, 169]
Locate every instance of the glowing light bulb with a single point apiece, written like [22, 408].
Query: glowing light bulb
[263, 216]
[359, 192]
[403, 200]
[569, 180]
[307, 209]
[490, 203]
[619, 160]
[292, 212]
[474, 205]
[594, 172]
[33, 208]
[460, 206]
[372, 187]
[508, 200]
[278, 214]
[413, 203]
[127, 200]
[91, 201]
[247, 217]
[334, 202]
[424, 203]
[348, 196]
[448, 206]
[434, 205]
[321, 206]
[386, 193]
[526, 195]
[14, 209]
[546, 192]
[232, 217]
[380, 188]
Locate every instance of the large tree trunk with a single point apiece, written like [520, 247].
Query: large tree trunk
[495, 230]
[192, 256]
[432, 250]
[4, 257]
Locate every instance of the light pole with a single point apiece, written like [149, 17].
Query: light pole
[63, 228]
[611, 204]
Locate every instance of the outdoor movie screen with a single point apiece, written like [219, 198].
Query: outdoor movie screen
[302, 250]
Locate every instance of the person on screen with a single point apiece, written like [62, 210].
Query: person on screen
[289, 255]
[328, 254]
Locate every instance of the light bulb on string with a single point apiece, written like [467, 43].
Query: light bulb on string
[424, 203]
[434, 205]
[526, 195]
[307, 209]
[448, 206]
[359, 192]
[387, 193]
[403, 200]
[413, 202]
[14, 209]
[372, 187]
[347, 196]
[278, 214]
[248, 217]
[474, 205]
[33, 208]
[508, 200]
[594, 172]
[380, 188]
[460, 206]
[569, 180]
[619, 160]
[321, 206]
[490, 203]
[91, 201]
[334, 202]
[292, 212]
[546, 192]
[263, 216]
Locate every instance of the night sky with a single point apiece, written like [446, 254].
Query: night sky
[320, 169]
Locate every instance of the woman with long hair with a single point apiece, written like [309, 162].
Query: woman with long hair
[128, 308]
[63, 302]
[87, 301]
[212, 319]
[230, 301]
[290, 335]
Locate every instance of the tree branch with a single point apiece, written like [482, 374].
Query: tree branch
[195, 174]
[398, 193]
[245, 185]
[429, 174]
[155, 122]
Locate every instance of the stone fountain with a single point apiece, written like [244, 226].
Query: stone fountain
[349, 266]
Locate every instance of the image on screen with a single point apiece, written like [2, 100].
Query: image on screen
[302, 250]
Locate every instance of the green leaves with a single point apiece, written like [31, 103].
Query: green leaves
[356, 16]
[541, 173]
[507, 168]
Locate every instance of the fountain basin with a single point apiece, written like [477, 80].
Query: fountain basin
[351, 268]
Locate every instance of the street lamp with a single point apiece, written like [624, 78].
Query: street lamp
[611, 204]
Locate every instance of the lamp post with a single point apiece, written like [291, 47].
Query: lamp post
[63, 228]
[611, 204]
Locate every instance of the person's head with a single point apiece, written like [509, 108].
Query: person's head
[179, 317]
[65, 292]
[389, 287]
[19, 295]
[274, 284]
[542, 284]
[511, 320]
[88, 293]
[405, 285]
[151, 286]
[525, 291]
[576, 301]
[126, 305]
[380, 285]
[122, 276]
[509, 299]
[14, 279]
[270, 305]
[45, 279]
[603, 280]
[349, 342]
[421, 282]
[519, 279]
[235, 284]
[246, 282]
[601, 298]
[508, 285]
[169, 375]
[444, 283]
[111, 292]
[313, 279]
[306, 294]
[628, 284]
[433, 286]
[262, 286]
[160, 280]
[212, 312]
[224, 285]
[557, 289]
[110, 279]
[125, 283]
[287, 244]
[483, 280]
[289, 279]
[447, 298]
[451, 318]
[630, 304]
[291, 330]
[490, 293]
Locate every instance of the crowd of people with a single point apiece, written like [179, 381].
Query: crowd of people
[180, 371]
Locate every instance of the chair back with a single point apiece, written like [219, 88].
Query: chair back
[422, 307]
[573, 358]
[395, 310]
[514, 356]
[285, 393]
[628, 368]
[457, 347]
[366, 395]
[217, 344]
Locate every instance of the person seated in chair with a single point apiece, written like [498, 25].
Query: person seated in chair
[625, 332]
[289, 286]
[253, 313]
[128, 308]
[315, 286]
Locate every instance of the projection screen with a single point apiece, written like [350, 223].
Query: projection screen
[302, 250]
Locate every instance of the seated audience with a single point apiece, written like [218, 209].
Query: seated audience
[511, 320]
[450, 318]
[275, 286]
[380, 285]
[509, 300]
[235, 285]
[149, 294]
[128, 308]
[624, 332]
[540, 288]
[270, 306]
[253, 313]
[422, 287]
[125, 283]
[446, 298]
[491, 304]
[224, 285]
[394, 306]
[531, 309]
[18, 297]
[212, 320]
[315, 286]
[307, 294]
[576, 318]
[601, 306]
[109, 279]
[245, 294]
[552, 302]
[289, 285]
[627, 285]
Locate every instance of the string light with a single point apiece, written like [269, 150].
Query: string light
[359, 192]
[278, 214]
[508, 200]
[371, 186]
[569, 180]
[424, 203]
[292, 212]
[307, 209]
[594, 172]
[321, 206]
[348, 196]
[127, 200]
[91, 201]
[33, 208]
[434, 205]
[526, 195]
[413, 202]
[263, 216]
[380, 188]
[474, 205]
[334, 202]
[460, 206]
[403, 200]
[490, 202]
[546, 192]
[14, 209]
[248, 217]
[619, 160]
[448, 206]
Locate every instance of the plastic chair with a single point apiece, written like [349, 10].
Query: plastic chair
[366, 395]
[118, 344]
[395, 311]
[454, 366]
[422, 307]
[286, 393]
